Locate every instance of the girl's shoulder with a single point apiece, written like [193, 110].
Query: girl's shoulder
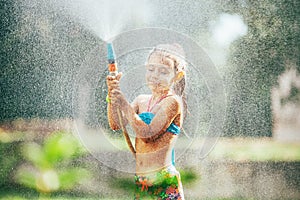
[142, 98]
[141, 101]
[173, 99]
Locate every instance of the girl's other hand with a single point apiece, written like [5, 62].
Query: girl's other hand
[114, 92]
[117, 98]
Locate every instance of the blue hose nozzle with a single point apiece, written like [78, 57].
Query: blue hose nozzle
[110, 53]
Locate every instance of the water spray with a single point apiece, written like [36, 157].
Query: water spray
[113, 71]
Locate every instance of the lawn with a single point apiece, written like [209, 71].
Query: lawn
[228, 149]
[255, 149]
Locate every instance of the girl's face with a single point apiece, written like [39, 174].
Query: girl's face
[160, 73]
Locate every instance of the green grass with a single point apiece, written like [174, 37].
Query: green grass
[255, 149]
[234, 149]
[18, 192]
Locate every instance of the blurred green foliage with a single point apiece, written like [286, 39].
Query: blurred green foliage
[10, 158]
[49, 166]
[257, 59]
[39, 68]
[41, 51]
[261, 150]
[294, 96]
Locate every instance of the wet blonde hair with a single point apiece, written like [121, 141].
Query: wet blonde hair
[175, 53]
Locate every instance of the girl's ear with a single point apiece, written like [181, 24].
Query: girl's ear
[179, 75]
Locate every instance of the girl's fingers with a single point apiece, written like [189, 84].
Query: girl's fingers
[114, 80]
[110, 78]
[113, 87]
[119, 75]
[112, 83]
[115, 98]
[116, 92]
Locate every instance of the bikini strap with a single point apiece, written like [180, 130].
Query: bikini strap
[157, 102]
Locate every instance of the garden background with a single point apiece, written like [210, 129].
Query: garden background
[255, 48]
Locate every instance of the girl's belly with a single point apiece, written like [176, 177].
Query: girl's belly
[151, 157]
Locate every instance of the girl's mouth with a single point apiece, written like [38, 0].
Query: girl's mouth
[155, 84]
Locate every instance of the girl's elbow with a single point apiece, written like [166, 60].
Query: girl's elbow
[144, 137]
[114, 127]
[147, 140]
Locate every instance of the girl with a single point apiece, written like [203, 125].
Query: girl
[156, 120]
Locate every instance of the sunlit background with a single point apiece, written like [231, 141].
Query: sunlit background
[254, 46]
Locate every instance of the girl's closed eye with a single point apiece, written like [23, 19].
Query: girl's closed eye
[150, 68]
[164, 72]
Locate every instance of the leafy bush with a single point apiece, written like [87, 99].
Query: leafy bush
[10, 157]
[49, 166]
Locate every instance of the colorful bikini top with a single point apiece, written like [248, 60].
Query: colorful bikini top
[148, 116]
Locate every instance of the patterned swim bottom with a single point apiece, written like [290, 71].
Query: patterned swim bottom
[163, 185]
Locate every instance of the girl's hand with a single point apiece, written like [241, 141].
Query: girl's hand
[117, 98]
[113, 82]
[114, 92]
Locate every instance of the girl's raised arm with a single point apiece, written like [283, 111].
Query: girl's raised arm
[169, 109]
[113, 117]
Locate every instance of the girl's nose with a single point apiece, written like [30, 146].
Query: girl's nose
[154, 76]
[156, 73]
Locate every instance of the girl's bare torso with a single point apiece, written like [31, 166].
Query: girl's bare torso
[155, 155]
